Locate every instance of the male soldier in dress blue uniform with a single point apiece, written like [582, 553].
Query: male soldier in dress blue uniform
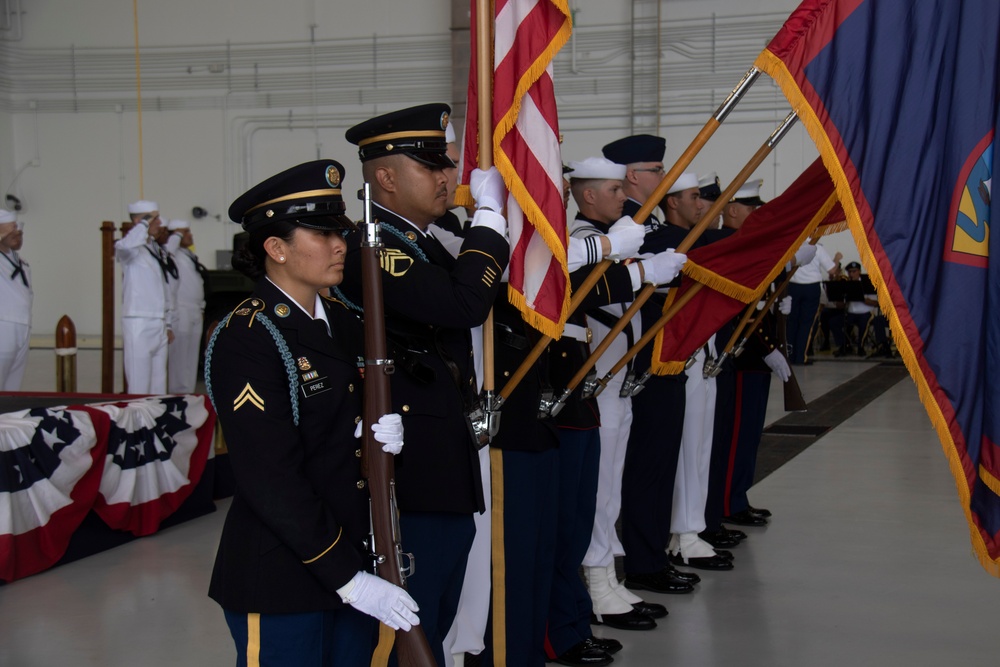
[431, 300]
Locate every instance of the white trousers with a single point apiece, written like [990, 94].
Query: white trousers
[616, 422]
[691, 483]
[145, 342]
[14, 344]
[469, 627]
[182, 358]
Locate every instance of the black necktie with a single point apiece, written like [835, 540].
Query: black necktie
[18, 269]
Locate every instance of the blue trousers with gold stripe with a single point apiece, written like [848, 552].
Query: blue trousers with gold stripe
[340, 638]
[523, 563]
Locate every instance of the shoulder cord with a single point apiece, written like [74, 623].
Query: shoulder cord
[336, 291]
[286, 357]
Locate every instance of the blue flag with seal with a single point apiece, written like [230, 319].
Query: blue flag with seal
[901, 97]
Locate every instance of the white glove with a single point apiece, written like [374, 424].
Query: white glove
[776, 361]
[785, 305]
[386, 602]
[663, 267]
[805, 254]
[487, 188]
[625, 237]
[388, 430]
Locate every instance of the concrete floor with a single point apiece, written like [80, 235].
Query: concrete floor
[867, 561]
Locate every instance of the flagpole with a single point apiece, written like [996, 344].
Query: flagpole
[682, 163]
[484, 84]
[692, 237]
[689, 240]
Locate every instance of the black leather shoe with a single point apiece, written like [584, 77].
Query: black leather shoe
[659, 582]
[585, 654]
[745, 518]
[719, 538]
[689, 577]
[759, 511]
[606, 644]
[650, 609]
[704, 562]
[722, 553]
[630, 620]
[737, 534]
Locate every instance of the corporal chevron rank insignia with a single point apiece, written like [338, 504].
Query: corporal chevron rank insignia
[248, 395]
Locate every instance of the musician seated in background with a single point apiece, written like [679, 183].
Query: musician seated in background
[859, 313]
[282, 371]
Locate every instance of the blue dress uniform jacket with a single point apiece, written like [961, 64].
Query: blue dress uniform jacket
[300, 511]
[431, 302]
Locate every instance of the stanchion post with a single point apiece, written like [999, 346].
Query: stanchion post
[107, 306]
[65, 356]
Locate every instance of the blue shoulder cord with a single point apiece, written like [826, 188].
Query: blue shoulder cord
[286, 357]
[402, 237]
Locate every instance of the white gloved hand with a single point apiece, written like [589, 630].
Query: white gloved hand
[663, 267]
[388, 430]
[386, 602]
[785, 305]
[805, 254]
[487, 188]
[776, 361]
[625, 237]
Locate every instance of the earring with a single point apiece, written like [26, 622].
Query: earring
[281, 259]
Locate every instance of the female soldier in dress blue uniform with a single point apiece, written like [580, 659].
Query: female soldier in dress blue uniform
[283, 373]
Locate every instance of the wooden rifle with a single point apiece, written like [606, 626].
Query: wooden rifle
[377, 466]
[794, 400]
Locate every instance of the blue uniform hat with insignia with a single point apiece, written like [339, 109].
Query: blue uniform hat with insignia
[637, 148]
[307, 195]
[417, 132]
[709, 186]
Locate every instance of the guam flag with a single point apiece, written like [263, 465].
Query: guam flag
[901, 97]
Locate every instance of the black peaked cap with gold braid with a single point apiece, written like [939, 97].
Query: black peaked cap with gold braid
[418, 132]
[307, 195]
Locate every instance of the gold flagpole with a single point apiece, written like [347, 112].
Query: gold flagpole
[748, 169]
[668, 180]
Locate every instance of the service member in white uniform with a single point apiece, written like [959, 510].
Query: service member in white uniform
[15, 304]
[146, 316]
[182, 361]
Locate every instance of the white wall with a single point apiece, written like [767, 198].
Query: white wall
[209, 146]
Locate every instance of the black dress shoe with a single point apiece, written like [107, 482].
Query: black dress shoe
[585, 654]
[759, 511]
[606, 644]
[737, 534]
[746, 518]
[719, 538]
[630, 620]
[722, 553]
[704, 562]
[651, 609]
[689, 577]
[663, 581]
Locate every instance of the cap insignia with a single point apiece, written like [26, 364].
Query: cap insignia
[444, 121]
[333, 176]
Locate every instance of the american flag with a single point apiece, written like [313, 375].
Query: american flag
[528, 34]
